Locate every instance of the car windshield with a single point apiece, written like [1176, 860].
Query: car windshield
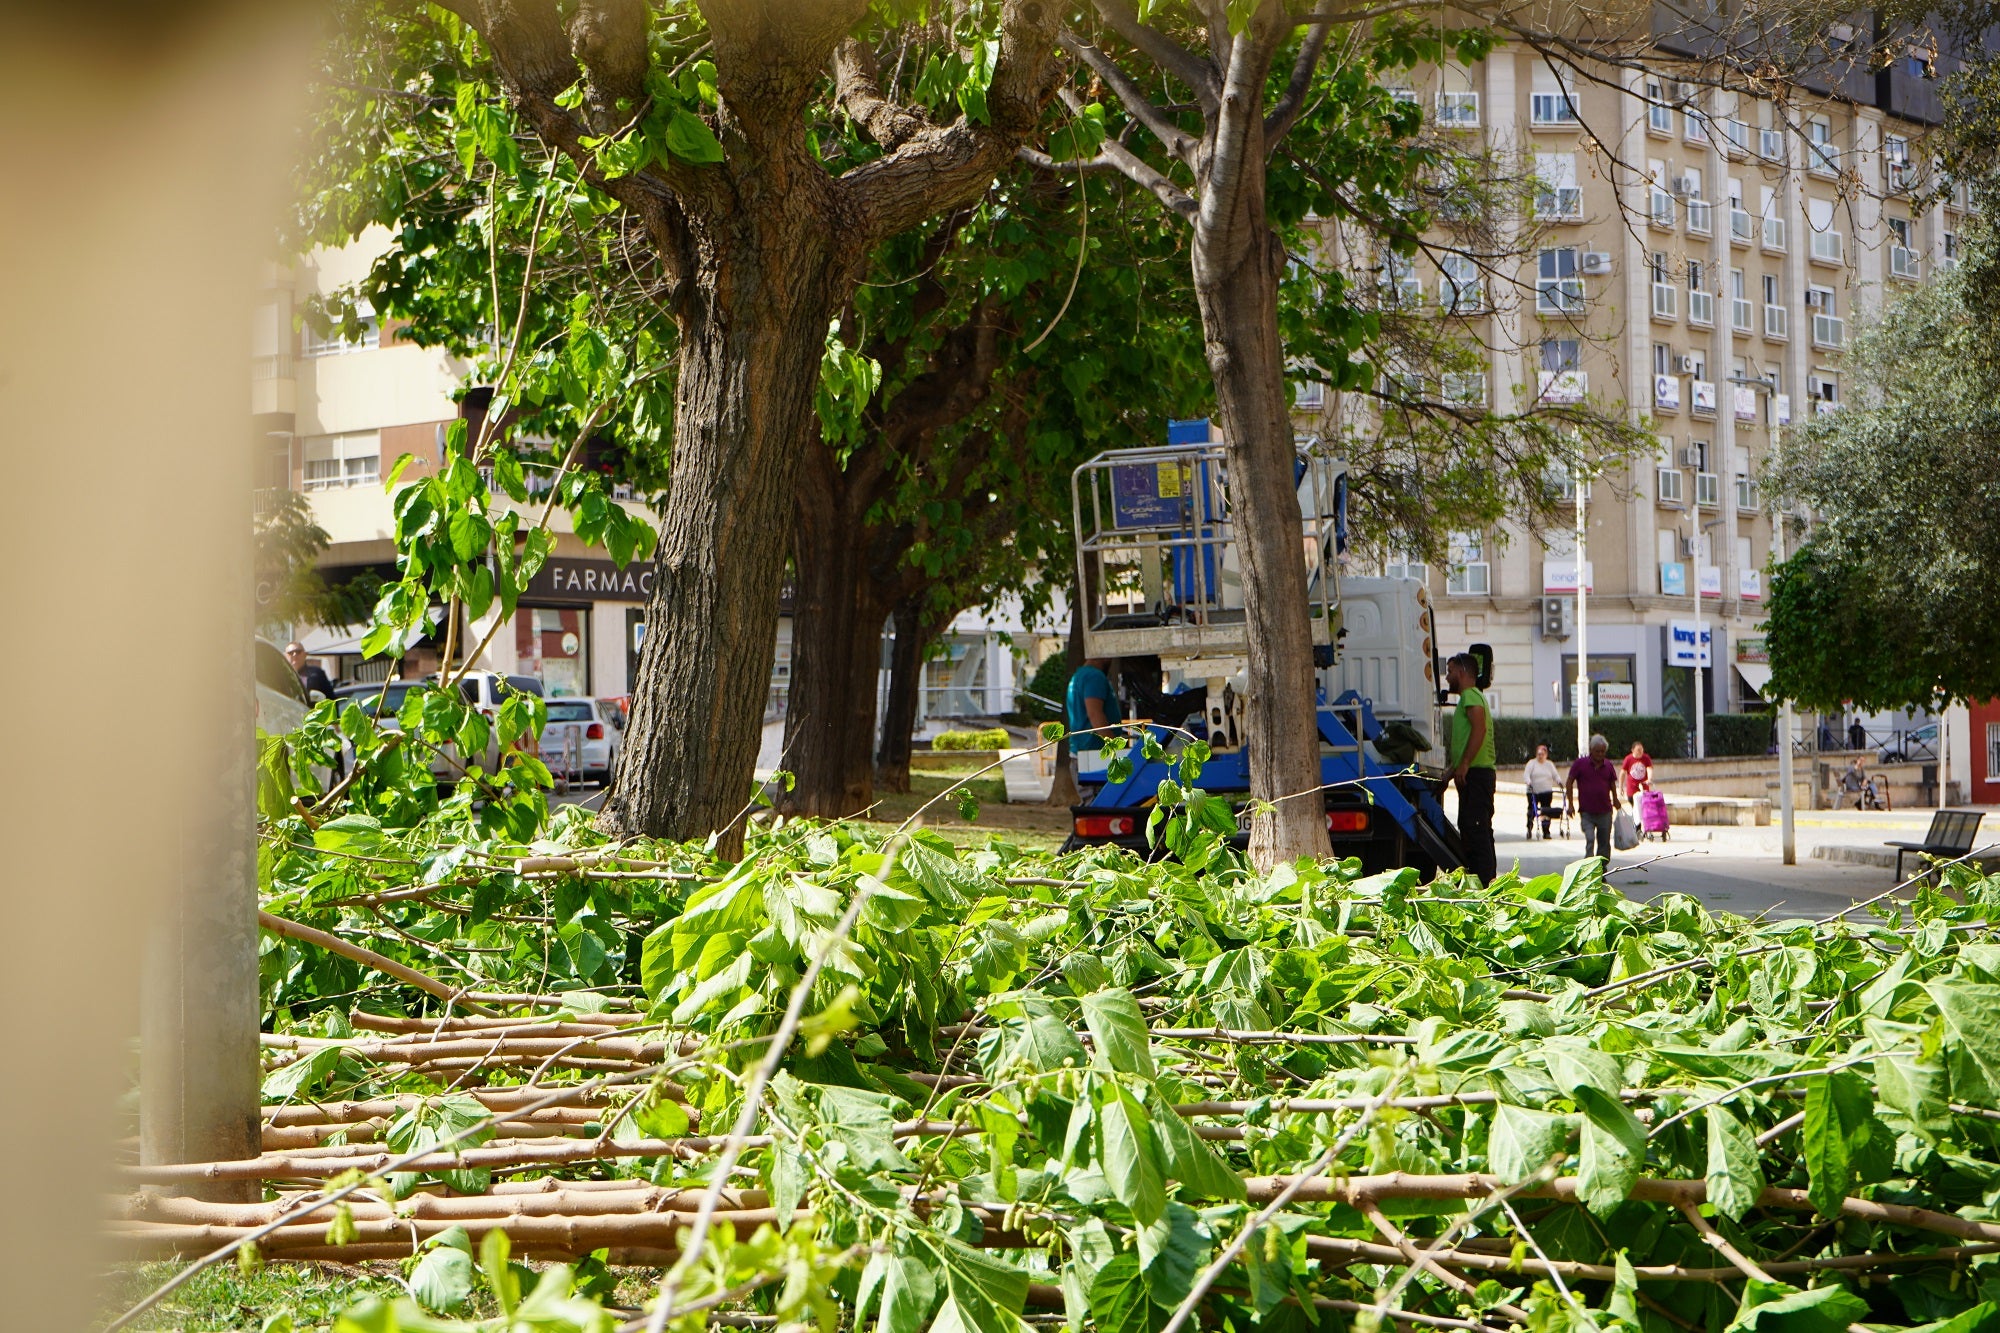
[391, 697]
[569, 710]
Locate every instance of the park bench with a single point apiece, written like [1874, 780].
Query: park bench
[1950, 836]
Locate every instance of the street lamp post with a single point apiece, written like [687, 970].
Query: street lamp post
[1583, 699]
[1787, 801]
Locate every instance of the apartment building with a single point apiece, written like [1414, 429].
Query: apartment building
[1698, 258]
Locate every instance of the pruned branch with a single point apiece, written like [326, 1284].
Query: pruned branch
[1292, 102]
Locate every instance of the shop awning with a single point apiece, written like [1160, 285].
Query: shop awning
[1755, 674]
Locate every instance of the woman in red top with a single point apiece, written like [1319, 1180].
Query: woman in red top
[1636, 770]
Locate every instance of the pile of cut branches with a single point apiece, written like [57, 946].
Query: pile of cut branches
[884, 1080]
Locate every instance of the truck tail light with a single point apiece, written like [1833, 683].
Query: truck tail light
[1106, 826]
[594, 732]
[1347, 821]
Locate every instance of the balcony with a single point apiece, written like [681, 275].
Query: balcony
[1701, 309]
[1707, 490]
[1904, 264]
[1665, 303]
[1777, 322]
[1739, 227]
[1774, 234]
[1829, 331]
[1827, 247]
[1739, 314]
[1701, 217]
[1561, 386]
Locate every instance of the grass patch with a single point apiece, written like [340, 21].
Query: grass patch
[224, 1300]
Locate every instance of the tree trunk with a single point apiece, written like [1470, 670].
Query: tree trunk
[837, 617]
[753, 332]
[1238, 260]
[914, 632]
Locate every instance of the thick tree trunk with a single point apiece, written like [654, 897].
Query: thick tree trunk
[914, 633]
[1237, 264]
[753, 334]
[837, 616]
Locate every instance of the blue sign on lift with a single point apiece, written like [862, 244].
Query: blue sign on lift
[1150, 495]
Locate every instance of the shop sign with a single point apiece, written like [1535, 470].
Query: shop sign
[1673, 579]
[1744, 400]
[1711, 581]
[563, 579]
[1750, 584]
[1752, 650]
[1559, 576]
[1617, 697]
[1681, 643]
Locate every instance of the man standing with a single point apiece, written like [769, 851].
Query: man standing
[1592, 791]
[310, 675]
[1091, 704]
[1471, 757]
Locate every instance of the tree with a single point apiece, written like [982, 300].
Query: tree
[700, 123]
[950, 484]
[1889, 602]
[290, 588]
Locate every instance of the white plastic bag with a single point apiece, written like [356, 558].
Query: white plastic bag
[1624, 833]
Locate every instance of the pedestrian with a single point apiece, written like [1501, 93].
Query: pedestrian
[1471, 758]
[1856, 783]
[1592, 791]
[1635, 771]
[1857, 735]
[1542, 777]
[311, 677]
[1092, 706]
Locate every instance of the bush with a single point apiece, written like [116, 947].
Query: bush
[993, 738]
[1051, 681]
[1729, 734]
[1515, 738]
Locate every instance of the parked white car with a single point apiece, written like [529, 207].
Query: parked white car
[485, 690]
[579, 742]
[281, 699]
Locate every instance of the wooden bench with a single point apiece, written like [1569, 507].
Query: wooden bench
[1950, 836]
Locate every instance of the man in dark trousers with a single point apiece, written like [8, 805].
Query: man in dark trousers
[1471, 758]
[310, 675]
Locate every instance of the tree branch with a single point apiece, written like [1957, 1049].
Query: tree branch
[1123, 160]
[1282, 116]
[1172, 58]
[858, 89]
[608, 39]
[1173, 138]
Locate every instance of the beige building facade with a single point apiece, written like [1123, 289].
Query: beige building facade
[1696, 260]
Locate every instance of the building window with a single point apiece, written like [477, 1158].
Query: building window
[1401, 288]
[1993, 752]
[1739, 302]
[1659, 116]
[1896, 172]
[1822, 154]
[1561, 379]
[1458, 110]
[336, 461]
[1465, 388]
[1551, 104]
[1777, 320]
[1308, 394]
[1823, 387]
[1902, 253]
[1557, 196]
[1462, 289]
[1469, 574]
[332, 343]
[1701, 301]
[1402, 565]
[1667, 474]
[1558, 288]
[1828, 329]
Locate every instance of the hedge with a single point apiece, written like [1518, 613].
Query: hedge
[993, 738]
[1665, 737]
[1051, 681]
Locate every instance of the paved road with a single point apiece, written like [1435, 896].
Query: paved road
[1737, 869]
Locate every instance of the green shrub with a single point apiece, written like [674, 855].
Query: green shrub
[993, 738]
[1051, 681]
[1729, 734]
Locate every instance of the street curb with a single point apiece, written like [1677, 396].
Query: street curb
[1855, 856]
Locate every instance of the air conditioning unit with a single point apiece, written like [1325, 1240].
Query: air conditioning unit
[1691, 457]
[1813, 298]
[1680, 186]
[1684, 365]
[1596, 261]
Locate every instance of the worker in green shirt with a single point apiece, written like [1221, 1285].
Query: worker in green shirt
[1471, 758]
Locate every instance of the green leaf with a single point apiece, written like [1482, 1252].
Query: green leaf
[1119, 1031]
[443, 1278]
[690, 139]
[1971, 1014]
[1130, 1156]
[1120, 1301]
[500, 1277]
[1735, 1180]
[1523, 1141]
[907, 1285]
[1773, 1307]
[1201, 1173]
[1614, 1150]
[357, 835]
[1171, 1252]
[1825, 1145]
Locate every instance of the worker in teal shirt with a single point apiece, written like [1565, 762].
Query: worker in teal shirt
[1091, 704]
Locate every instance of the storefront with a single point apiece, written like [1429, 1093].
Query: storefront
[579, 624]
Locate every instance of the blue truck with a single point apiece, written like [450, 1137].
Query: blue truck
[1161, 594]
